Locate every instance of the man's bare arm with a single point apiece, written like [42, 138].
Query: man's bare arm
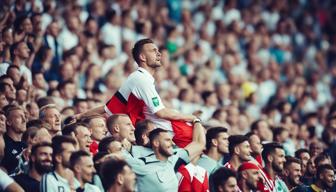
[14, 187]
[98, 110]
[196, 147]
[171, 114]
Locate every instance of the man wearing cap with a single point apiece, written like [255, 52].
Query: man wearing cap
[239, 149]
[248, 177]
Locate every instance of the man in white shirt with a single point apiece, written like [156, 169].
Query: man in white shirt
[82, 165]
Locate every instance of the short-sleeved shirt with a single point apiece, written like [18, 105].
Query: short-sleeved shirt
[209, 164]
[155, 175]
[13, 150]
[28, 183]
[87, 187]
[5, 180]
[138, 98]
[52, 182]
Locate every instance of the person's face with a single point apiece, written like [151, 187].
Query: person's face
[10, 92]
[278, 160]
[311, 169]
[54, 29]
[69, 91]
[82, 107]
[2, 124]
[223, 142]
[3, 100]
[293, 173]
[126, 129]
[165, 144]
[315, 149]
[39, 81]
[17, 121]
[42, 160]
[328, 178]
[68, 149]
[22, 51]
[115, 146]
[252, 178]
[27, 26]
[33, 111]
[151, 55]
[98, 127]
[244, 151]
[8, 37]
[129, 179]
[83, 136]
[255, 143]
[87, 169]
[264, 131]
[229, 186]
[14, 73]
[53, 118]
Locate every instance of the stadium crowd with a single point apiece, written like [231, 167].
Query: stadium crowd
[174, 95]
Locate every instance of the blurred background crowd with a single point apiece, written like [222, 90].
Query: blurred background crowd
[266, 66]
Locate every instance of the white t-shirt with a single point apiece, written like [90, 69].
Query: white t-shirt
[5, 180]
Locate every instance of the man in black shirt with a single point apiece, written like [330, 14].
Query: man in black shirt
[40, 162]
[16, 126]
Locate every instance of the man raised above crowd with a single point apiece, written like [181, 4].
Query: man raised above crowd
[138, 98]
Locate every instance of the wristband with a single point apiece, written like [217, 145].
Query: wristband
[197, 120]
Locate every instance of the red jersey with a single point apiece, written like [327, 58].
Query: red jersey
[192, 178]
[138, 98]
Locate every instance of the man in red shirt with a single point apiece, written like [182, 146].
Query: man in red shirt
[138, 98]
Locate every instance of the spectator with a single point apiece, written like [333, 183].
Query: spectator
[261, 128]
[97, 126]
[81, 134]
[256, 147]
[248, 177]
[51, 115]
[292, 173]
[109, 145]
[117, 176]
[82, 165]
[324, 178]
[40, 162]
[161, 142]
[120, 126]
[304, 156]
[62, 177]
[224, 180]
[16, 126]
[239, 149]
[217, 144]
[274, 158]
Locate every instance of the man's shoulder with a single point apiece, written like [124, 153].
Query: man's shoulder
[91, 188]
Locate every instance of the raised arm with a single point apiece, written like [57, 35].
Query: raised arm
[196, 147]
[98, 110]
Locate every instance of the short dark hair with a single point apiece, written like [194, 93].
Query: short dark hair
[278, 131]
[68, 129]
[221, 175]
[300, 151]
[206, 94]
[104, 143]
[254, 125]
[155, 133]
[57, 142]
[213, 133]
[75, 157]
[290, 160]
[235, 140]
[110, 170]
[140, 128]
[270, 148]
[136, 51]
[322, 168]
[321, 157]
